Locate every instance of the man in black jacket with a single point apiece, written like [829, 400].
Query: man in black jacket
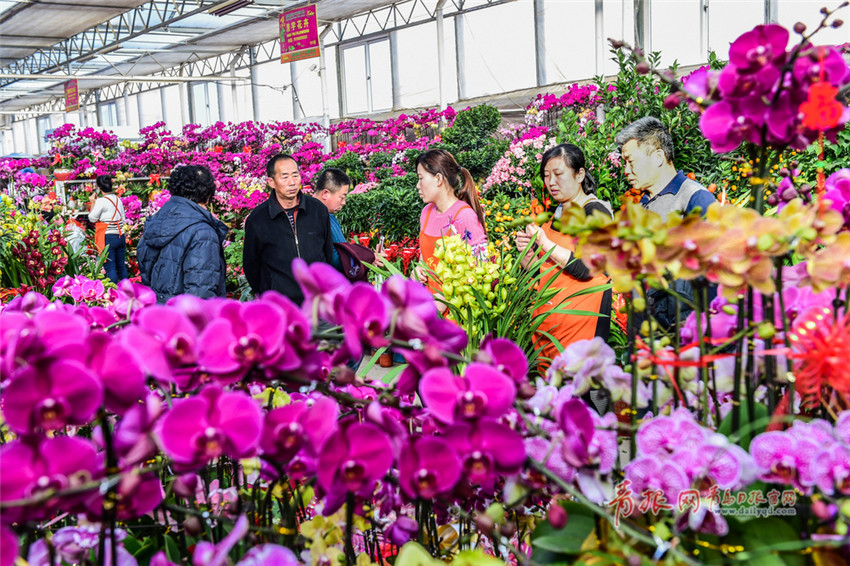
[181, 249]
[288, 225]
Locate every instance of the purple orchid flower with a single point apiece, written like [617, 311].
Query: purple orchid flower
[428, 466]
[842, 427]
[74, 544]
[132, 297]
[584, 445]
[51, 395]
[550, 454]
[582, 362]
[782, 458]
[487, 449]
[830, 470]
[651, 473]
[209, 554]
[703, 518]
[163, 341]
[353, 459]
[123, 380]
[762, 46]
[838, 192]
[269, 555]
[133, 436]
[506, 356]
[363, 316]
[716, 461]
[9, 546]
[210, 424]
[41, 464]
[301, 426]
[482, 391]
[413, 307]
[664, 435]
[402, 530]
[48, 334]
[729, 122]
[321, 284]
[30, 304]
[244, 335]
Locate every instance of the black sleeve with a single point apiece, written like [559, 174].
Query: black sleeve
[575, 267]
[329, 240]
[250, 257]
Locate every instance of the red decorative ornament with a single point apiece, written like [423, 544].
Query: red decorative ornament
[821, 111]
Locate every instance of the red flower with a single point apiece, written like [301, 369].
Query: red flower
[820, 348]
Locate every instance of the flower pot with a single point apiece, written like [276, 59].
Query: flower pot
[62, 174]
[386, 360]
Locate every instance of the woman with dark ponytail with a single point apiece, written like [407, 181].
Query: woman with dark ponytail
[564, 172]
[451, 206]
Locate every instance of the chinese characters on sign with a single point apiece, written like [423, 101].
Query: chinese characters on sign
[299, 34]
[749, 503]
[72, 96]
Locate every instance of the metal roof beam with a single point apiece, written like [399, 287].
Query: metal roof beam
[153, 15]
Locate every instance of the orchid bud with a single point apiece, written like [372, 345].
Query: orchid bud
[344, 375]
[557, 516]
[193, 526]
[526, 391]
[837, 24]
[508, 529]
[484, 524]
[672, 101]
[788, 194]
[642, 68]
[800, 28]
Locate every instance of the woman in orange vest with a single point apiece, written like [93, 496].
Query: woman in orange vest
[107, 213]
[564, 172]
[451, 207]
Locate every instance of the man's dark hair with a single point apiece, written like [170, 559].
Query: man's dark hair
[332, 179]
[104, 183]
[193, 182]
[647, 131]
[273, 161]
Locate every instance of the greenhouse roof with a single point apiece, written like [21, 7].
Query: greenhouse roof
[43, 43]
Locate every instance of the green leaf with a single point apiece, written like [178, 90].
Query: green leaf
[568, 540]
[750, 427]
[171, 550]
[391, 375]
[414, 554]
[764, 537]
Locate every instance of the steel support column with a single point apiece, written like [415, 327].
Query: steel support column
[771, 11]
[394, 70]
[704, 21]
[441, 54]
[643, 25]
[297, 113]
[323, 78]
[460, 55]
[255, 100]
[599, 21]
[540, 42]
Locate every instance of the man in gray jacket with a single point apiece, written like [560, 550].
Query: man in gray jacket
[182, 250]
[647, 150]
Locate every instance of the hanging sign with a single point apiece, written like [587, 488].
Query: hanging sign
[299, 34]
[72, 96]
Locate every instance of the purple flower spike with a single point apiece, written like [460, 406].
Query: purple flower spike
[429, 466]
[506, 356]
[48, 396]
[321, 283]
[482, 391]
[353, 459]
[209, 554]
[299, 425]
[487, 449]
[762, 46]
[210, 424]
[269, 555]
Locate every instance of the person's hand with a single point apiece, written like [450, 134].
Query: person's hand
[441, 306]
[419, 273]
[542, 239]
[92, 197]
[379, 259]
[521, 240]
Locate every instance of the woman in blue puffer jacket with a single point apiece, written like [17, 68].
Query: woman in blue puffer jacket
[181, 250]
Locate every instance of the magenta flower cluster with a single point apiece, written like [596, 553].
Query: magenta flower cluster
[758, 96]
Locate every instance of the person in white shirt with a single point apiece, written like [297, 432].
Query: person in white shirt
[107, 213]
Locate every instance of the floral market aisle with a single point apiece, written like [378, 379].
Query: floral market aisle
[223, 432]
